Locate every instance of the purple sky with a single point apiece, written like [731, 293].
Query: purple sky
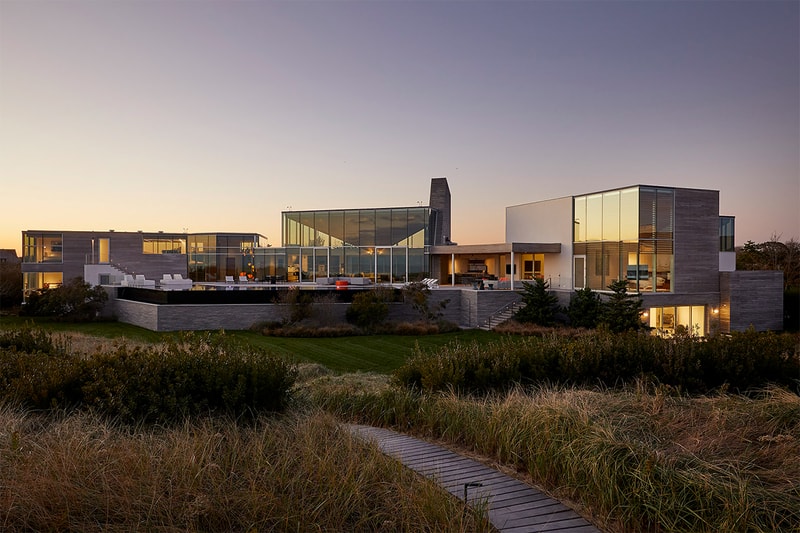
[215, 116]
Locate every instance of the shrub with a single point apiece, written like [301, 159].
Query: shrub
[417, 294]
[540, 305]
[162, 383]
[369, 308]
[743, 361]
[75, 301]
[584, 309]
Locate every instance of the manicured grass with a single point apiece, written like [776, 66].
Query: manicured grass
[373, 353]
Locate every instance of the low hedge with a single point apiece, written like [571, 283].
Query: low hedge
[741, 361]
[193, 374]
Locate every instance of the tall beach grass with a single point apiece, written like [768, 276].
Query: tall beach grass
[77, 472]
[639, 459]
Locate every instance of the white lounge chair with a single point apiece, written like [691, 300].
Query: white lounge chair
[242, 279]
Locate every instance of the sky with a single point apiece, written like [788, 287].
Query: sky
[216, 116]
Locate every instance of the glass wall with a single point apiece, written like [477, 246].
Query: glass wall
[405, 226]
[682, 319]
[214, 256]
[163, 245]
[32, 281]
[626, 234]
[42, 247]
[384, 245]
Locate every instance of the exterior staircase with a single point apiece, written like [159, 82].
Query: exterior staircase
[501, 315]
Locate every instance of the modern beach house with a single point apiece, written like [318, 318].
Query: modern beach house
[670, 245]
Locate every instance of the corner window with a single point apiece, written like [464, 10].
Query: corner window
[42, 248]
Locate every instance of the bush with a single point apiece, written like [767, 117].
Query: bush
[369, 308]
[744, 361]
[163, 383]
[76, 301]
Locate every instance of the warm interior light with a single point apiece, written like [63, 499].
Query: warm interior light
[715, 311]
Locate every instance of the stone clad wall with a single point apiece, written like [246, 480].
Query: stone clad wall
[186, 317]
[751, 298]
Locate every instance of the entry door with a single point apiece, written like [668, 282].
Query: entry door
[579, 272]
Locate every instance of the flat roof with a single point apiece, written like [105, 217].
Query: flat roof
[498, 248]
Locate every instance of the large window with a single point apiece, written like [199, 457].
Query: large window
[357, 227]
[683, 319]
[33, 281]
[163, 245]
[625, 234]
[42, 247]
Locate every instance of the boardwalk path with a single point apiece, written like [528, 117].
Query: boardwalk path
[513, 506]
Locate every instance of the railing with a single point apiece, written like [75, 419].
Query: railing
[512, 307]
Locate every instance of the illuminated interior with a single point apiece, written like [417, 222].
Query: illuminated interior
[624, 234]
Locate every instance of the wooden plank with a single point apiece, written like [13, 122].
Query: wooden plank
[513, 506]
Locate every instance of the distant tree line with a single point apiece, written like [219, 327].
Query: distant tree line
[776, 255]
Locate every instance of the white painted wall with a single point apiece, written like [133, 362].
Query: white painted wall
[727, 261]
[549, 221]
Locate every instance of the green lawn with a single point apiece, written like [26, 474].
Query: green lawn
[374, 353]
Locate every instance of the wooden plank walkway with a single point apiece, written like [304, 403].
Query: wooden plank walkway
[513, 506]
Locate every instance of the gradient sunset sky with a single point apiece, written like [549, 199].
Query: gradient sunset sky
[215, 116]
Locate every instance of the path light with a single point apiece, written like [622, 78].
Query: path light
[467, 486]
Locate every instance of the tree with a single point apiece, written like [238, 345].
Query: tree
[417, 293]
[10, 284]
[584, 309]
[540, 305]
[772, 255]
[621, 311]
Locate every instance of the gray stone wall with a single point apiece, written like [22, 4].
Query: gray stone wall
[478, 306]
[188, 317]
[751, 298]
[696, 241]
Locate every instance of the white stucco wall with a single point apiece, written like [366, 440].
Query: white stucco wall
[727, 261]
[549, 221]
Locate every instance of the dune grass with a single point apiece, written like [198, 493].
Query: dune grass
[298, 473]
[634, 460]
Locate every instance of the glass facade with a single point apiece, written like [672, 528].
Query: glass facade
[405, 226]
[32, 281]
[624, 234]
[163, 245]
[684, 319]
[42, 247]
[214, 256]
[384, 245]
